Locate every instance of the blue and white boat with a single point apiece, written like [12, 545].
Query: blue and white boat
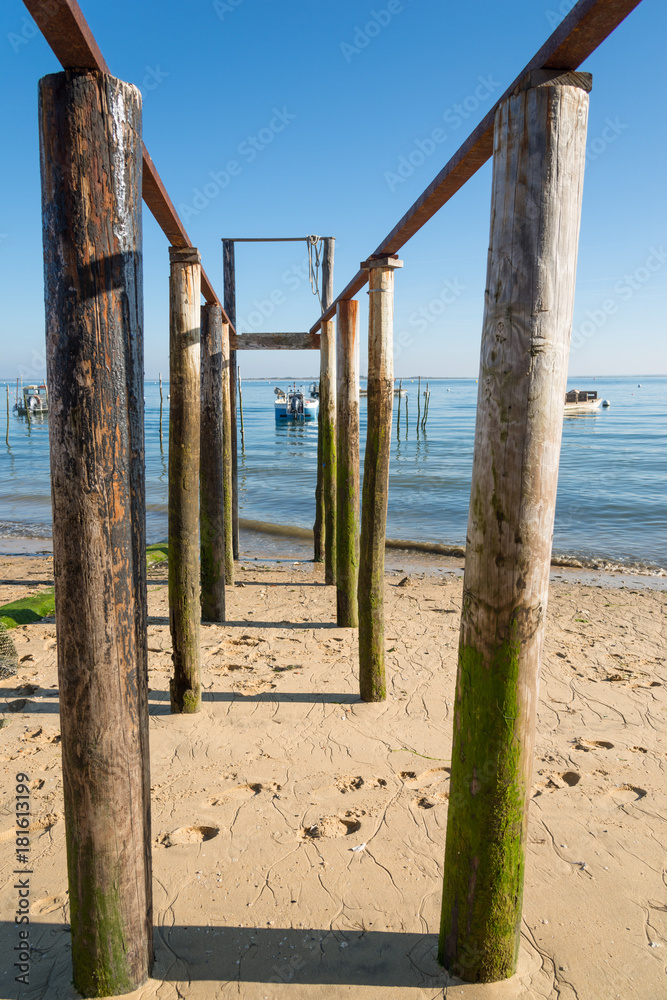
[294, 406]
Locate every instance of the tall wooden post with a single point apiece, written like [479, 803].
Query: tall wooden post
[375, 488]
[184, 427]
[347, 462]
[91, 165]
[325, 497]
[538, 170]
[211, 467]
[227, 456]
[229, 280]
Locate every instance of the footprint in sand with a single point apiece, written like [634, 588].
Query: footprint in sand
[624, 795]
[556, 780]
[40, 823]
[429, 800]
[587, 745]
[349, 783]
[49, 904]
[637, 749]
[241, 792]
[328, 827]
[186, 835]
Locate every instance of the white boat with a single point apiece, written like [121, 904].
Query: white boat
[577, 401]
[294, 406]
[34, 399]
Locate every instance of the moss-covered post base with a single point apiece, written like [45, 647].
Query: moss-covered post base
[375, 490]
[347, 462]
[538, 169]
[184, 451]
[227, 463]
[91, 166]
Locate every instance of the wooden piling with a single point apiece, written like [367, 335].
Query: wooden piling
[538, 168]
[91, 168]
[7, 432]
[229, 281]
[211, 467]
[227, 457]
[161, 402]
[375, 488]
[347, 462]
[398, 416]
[419, 402]
[327, 418]
[241, 410]
[184, 429]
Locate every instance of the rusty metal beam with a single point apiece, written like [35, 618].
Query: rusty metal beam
[66, 30]
[579, 34]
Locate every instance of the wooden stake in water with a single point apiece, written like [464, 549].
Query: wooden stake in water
[376, 476]
[419, 402]
[347, 462]
[160, 380]
[241, 412]
[7, 434]
[407, 423]
[538, 172]
[398, 418]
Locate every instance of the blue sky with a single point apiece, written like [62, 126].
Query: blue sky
[316, 113]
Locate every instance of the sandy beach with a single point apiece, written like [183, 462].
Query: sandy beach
[299, 834]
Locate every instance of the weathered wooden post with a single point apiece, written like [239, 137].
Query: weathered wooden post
[229, 281]
[161, 402]
[538, 170]
[91, 166]
[398, 416]
[227, 456]
[326, 492]
[375, 488]
[211, 467]
[184, 428]
[241, 409]
[347, 462]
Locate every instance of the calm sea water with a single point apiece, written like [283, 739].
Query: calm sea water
[612, 488]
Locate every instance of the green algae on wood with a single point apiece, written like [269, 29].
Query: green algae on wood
[347, 463]
[539, 153]
[375, 490]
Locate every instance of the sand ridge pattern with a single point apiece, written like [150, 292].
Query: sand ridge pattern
[299, 834]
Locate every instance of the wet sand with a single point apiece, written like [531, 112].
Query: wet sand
[260, 799]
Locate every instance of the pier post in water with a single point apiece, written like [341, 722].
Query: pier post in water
[91, 170]
[375, 488]
[325, 496]
[227, 456]
[211, 467]
[229, 279]
[347, 462]
[538, 171]
[184, 430]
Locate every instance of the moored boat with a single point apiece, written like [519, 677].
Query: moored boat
[577, 401]
[34, 399]
[294, 406]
